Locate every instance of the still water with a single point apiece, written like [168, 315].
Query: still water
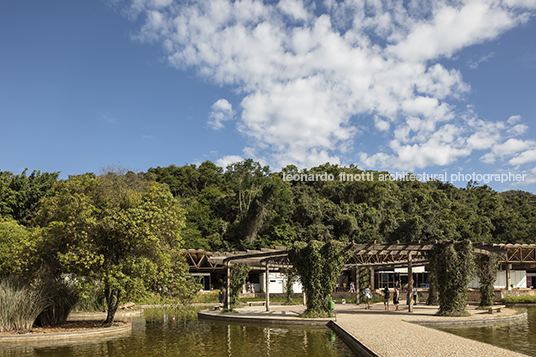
[189, 336]
[519, 337]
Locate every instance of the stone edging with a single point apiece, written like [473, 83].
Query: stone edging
[97, 315]
[468, 322]
[73, 335]
[353, 343]
[262, 320]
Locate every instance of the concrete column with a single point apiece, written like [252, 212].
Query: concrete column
[267, 286]
[304, 298]
[410, 283]
[228, 286]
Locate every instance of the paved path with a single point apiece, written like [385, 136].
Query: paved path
[392, 333]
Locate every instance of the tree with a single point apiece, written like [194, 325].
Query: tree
[20, 194]
[118, 230]
[12, 236]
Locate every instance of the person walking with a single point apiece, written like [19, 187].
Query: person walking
[386, 296]
[396, 295]
[352, 287]
[368, 296]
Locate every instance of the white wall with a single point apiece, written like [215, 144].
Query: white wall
[277, 283]
[517, 277]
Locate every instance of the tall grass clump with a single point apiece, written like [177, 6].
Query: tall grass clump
[20, 304]
[170, 311]
[61, 296]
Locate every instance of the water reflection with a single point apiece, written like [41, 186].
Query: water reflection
[519, 337]
[187, 336]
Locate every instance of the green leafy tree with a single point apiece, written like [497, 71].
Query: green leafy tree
[20, 194]
[116, 229]
[12, 238]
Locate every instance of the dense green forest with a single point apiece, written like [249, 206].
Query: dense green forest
[101, 239]
[246, 206]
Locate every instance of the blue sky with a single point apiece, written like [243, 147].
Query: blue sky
[434, 87]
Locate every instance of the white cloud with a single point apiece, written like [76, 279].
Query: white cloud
[227, 160]
[222, 111]
[524, 157]
[518, 129]
[311, 82]
[475, 64]
[514, 119]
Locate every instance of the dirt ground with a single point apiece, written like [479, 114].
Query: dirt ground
[68, 326]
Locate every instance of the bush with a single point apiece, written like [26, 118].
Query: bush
[20, 304]
[531, 299]
[210, 297]
[61, 297]
[92, 301]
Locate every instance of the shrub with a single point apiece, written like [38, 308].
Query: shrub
[20, 304]
[61, 297]
[531, 299]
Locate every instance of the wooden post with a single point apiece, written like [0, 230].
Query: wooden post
[267, 286]
[371, 271]
[358, 270]
[228, 286]
[410, 284]
[508, 277]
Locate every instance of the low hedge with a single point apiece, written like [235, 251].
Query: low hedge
[530, 299]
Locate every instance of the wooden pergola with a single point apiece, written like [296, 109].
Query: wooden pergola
[370, 256]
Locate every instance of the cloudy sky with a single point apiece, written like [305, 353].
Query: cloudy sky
[433, 87]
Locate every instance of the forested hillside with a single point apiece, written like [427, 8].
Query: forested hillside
[248, 206]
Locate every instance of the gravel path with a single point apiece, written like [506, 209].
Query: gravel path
[390, 333]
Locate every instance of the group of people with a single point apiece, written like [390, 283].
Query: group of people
[350, 289]
[387, 296]
[250, 288]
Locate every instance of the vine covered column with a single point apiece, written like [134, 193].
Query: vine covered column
[318, 264]
[454, 267]
[487, 267]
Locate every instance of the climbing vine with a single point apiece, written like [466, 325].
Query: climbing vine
[318, 265]
[292, 277]
[433, 294]
[364, 280]
[454, 268]
[487, 267]
[239, 274]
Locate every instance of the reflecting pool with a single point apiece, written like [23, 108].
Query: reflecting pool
[171, 335]
[519, 337]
